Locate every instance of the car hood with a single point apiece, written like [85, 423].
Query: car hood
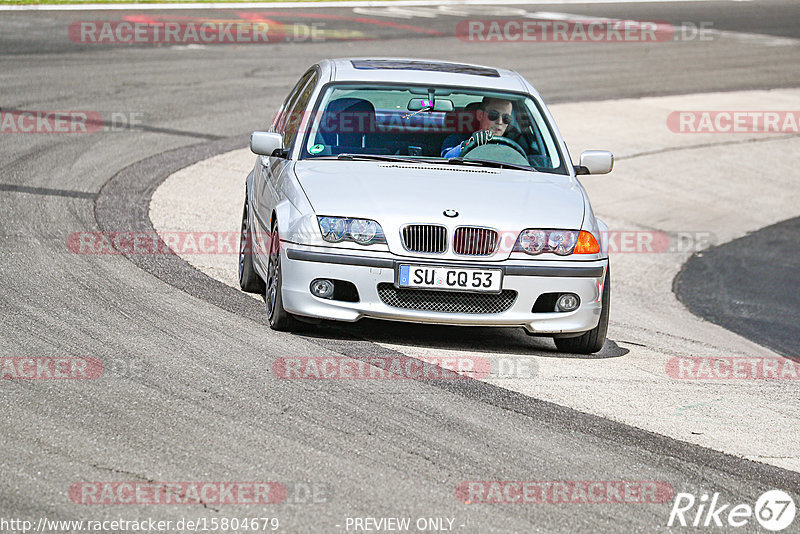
[395, 194]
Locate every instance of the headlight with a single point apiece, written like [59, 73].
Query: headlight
[333, 229]
[534, 241]
[361, 231]
[561, 242]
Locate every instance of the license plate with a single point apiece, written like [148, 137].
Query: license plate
[450, 278]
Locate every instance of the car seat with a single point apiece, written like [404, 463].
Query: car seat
[348, 125]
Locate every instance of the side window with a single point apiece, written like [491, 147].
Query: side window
[294, 113]
[279, 123]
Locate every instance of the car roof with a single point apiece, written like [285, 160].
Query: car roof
[388, 69]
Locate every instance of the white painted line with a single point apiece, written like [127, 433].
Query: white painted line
[759, 38]
[348, 3]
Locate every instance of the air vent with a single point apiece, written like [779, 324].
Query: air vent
[446, 301]
[425, 238]
[430, 168]
[473, 241]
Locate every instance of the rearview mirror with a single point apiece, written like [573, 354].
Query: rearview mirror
[595, 162]
[416, 104]
[265, 143]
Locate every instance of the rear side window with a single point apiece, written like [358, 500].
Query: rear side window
[292, 115]
[279, 121]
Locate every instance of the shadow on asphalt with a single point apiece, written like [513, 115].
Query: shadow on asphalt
[492, 340]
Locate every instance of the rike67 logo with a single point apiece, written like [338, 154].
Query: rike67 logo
[774, 510]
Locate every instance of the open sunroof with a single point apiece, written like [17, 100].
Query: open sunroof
[392, 64]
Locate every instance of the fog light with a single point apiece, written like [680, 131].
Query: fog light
[322, 288]
[568, 302]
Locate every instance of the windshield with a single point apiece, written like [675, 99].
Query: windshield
[435, 123]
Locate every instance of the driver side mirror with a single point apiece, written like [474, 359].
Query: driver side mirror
[266, 143]
[595, 162]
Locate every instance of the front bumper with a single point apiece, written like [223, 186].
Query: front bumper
[529, 278]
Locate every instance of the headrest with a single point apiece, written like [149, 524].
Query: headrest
[348, 115]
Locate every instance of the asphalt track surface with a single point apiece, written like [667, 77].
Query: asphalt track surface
[750, 286]
[189, 394]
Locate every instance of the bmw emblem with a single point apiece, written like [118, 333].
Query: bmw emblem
[450, 213]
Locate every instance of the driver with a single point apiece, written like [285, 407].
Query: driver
[494, 117]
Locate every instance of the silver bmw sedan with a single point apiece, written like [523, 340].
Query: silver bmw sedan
[424, 191]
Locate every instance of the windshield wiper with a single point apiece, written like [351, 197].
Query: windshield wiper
[375, 157]
[378, 157]
[490, 163]
[433, 161]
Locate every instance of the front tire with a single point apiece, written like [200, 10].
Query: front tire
[249, 280]
[593, 340]
[279, 319]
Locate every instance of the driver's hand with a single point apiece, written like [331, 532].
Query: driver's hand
[482, 137]
[478, 138]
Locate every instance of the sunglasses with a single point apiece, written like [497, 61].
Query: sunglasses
[494, 115]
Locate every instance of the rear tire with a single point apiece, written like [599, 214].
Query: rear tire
[279, 319]
[593, 340]
[249, 280]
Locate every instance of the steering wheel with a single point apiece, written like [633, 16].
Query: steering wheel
[500, 140]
